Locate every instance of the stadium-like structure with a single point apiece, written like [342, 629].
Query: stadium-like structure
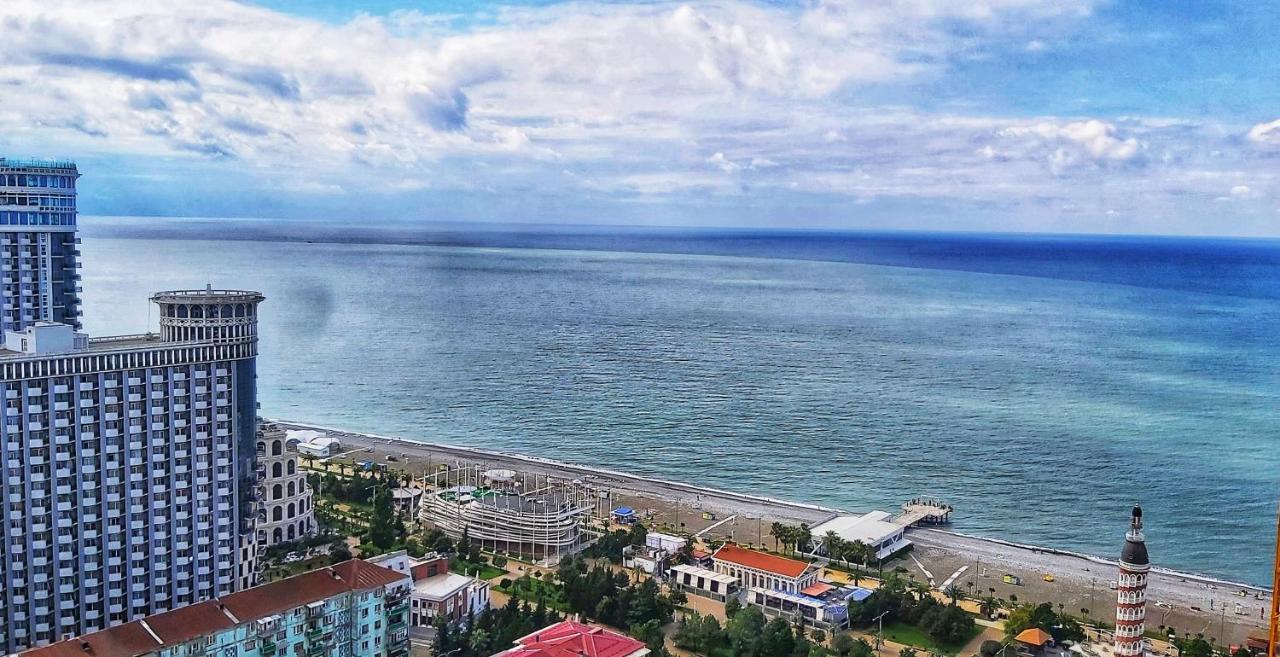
[531, 515]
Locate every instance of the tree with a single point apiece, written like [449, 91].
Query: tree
[777, 530]
[1196, 647]
[382, 524]
[953, 592]
[803, 538]
[731, 608]
[778, 640]
[907, 652]
[842, 644]
[745, 632]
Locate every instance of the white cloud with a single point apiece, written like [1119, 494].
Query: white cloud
[1066, 144]
[1240, 190]
[1267, 134]
[584, 96]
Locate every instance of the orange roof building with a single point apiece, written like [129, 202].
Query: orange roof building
[1034, 636]
[573, 639]
[763, 570]
[297, 614]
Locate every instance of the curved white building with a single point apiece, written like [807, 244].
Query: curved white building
[287, 512]
[496, 511]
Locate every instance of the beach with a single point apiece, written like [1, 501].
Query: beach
[1195, 603]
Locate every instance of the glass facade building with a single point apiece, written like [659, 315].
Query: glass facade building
[39, 255]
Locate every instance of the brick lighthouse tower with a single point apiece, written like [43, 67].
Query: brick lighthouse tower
[1131, 600]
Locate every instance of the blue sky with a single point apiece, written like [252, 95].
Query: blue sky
[1008, 115]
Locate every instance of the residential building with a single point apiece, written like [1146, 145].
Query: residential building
[764, 570]
[129, 467]
[352, 609]
[437, 592]
[574, 639]
[39, 249]
[286, 512]
[874, 529]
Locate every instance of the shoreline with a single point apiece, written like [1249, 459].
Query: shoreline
[803, 511]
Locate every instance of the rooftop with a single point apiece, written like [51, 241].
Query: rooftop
[771, 563]
[186, 623]
[572, 639]
[871, 528]
[34, 163]
[441, 586]
[709, 575]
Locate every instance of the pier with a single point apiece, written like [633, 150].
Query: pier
[922, 511]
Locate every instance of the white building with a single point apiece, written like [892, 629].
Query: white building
[874, 529]
[645, 558]
[703, 582]
[437, 591]
[764, 570]
[672, 544]
[314, 443]
[286, 512]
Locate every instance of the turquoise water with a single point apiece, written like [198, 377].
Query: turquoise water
[1042, 406]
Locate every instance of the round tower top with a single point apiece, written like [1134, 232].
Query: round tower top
[1134, 552]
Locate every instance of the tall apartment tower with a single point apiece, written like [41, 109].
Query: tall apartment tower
[129, 467]
[38, 252]
[1131, 598]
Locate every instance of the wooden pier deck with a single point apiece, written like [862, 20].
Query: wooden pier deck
[924, 512]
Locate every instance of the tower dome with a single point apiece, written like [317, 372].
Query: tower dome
[1134, 552]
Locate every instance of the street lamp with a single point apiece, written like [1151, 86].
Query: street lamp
[879, 620]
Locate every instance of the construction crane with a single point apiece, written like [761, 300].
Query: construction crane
[1274, 636]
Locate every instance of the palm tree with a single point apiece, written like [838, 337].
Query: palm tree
[804, 537]
[953, 592]
[776, 530]
[832, 544]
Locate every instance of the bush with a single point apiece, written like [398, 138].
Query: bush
[499, 561]
[989, 648]
[505, 583]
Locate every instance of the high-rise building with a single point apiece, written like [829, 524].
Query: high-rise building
[352, 609]
[38, 244]
[1131, 599]
[129, 467]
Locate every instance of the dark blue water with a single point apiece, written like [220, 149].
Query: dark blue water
[1042, 385]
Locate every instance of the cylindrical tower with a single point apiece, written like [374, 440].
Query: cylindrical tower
[1131, 599]
[208, 314]
[227, 319]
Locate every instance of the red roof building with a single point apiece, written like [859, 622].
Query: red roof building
[763, 570]
[573, 639]
[170, 630]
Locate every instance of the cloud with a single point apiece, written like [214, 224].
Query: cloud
[1240, 190]
[1066, 144]
[1266, 134]
[641, 102]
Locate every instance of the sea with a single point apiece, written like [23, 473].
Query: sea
[1040, 384]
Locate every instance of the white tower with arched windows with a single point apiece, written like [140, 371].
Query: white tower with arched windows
[286, 512]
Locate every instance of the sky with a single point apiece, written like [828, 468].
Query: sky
[1144, 117]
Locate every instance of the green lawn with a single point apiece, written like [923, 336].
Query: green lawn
[914, 636]
[528, 588]
[487, 572]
